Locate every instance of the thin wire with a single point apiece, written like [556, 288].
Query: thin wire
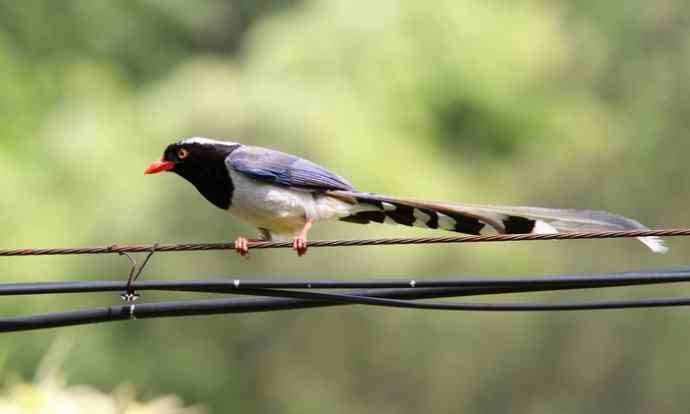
[130, 294]
[182, 247]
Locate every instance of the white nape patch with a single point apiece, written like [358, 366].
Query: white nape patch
[656, 244]
[446, 222]
[388, 206]
[542, 227]
[206, 141]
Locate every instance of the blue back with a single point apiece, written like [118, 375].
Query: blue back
[284, 169]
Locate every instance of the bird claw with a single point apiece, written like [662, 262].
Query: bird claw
[242, 247]
[300, 245]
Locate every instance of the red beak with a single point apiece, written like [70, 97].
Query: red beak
[159, 166]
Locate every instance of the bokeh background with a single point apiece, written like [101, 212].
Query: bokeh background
[552, 103]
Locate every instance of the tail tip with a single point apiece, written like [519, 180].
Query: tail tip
[655, 244]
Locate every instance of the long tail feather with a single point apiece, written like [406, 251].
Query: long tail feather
[485, 219]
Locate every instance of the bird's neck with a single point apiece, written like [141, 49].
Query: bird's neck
[213, 182]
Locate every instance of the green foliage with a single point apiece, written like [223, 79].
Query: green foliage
[574, 104]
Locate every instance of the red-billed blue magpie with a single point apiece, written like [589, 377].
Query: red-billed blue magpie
[283, 195]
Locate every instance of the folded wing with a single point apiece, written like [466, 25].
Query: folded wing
[284, 169]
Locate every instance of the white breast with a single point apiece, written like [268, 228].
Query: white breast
[281, 210]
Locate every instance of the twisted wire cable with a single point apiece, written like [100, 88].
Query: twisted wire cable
[188, 247]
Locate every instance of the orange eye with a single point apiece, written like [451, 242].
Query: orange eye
[182, 153]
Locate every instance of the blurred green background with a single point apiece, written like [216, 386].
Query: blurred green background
[553, 103]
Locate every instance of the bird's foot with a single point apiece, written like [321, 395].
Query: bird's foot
[242, 246]
[300, 245]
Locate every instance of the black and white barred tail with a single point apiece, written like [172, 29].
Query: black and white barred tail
[484, 219]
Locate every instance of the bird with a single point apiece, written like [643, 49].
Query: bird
[283, 195]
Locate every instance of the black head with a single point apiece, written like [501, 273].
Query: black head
[200, 161]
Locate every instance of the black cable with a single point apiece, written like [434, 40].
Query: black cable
[390, 293]
[233, 306]
[463, 306]
[235, 285]
[303, 300]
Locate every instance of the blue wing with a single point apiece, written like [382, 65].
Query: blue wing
[284, 169]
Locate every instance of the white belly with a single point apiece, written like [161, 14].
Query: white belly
[280, 210]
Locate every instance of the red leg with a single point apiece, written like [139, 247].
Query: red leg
[242, 246]
[300, 242]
